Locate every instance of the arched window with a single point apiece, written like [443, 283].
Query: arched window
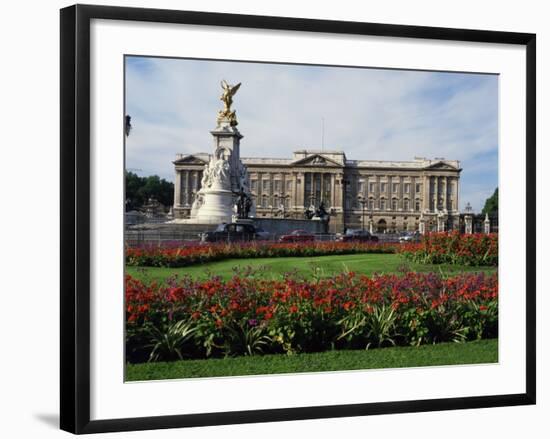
[405, 204]
[394, 204]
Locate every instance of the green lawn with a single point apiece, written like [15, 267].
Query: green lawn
[475, 352]
[275, 268]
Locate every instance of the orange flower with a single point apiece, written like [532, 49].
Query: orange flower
[348, 305]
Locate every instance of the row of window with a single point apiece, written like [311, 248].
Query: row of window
[268, 185]
[373, 187]
[383, 204]
[276, 202]
[277, 186]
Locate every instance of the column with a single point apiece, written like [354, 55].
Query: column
[455, 207]
[339, 197]
[400, 192]
[377, 193]
[300, 189]
[436, 193]
[191, 189]
[186, 182]
[294, 190]
[445, 189]
[177, 190]
[272, 192]
[333, 190]
[322, 191]
[425, 202]
[314, 188]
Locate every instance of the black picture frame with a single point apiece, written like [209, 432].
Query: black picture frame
[75, 217]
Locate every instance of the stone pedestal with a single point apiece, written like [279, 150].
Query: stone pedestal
[442, 221]
[217, 207]
[468, 229]
[487, 224]
[422, 225]
[224, 176]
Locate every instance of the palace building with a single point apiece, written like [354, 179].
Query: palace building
[382, 196]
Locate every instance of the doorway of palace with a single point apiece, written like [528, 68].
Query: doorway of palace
[381, 226]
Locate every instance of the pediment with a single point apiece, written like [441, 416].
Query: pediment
[442, 166]
[190, 160]
[316, 160]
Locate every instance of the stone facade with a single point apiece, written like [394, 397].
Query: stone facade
[384, 196]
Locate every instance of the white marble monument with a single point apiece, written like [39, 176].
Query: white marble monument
[225, 175]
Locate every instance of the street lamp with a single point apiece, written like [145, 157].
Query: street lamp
[371, 207]
[363, 201]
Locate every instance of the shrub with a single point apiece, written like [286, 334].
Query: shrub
[453, 248]
[158, 256]
[247, 316]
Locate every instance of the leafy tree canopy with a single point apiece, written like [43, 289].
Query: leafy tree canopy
[491, 204]
[140, 189]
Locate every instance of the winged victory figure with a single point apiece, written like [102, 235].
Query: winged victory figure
[227, 99]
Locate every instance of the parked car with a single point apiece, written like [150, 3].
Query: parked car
[263, 234]
[358, 235]
[298, 236]
[231, 232]
[409, 237]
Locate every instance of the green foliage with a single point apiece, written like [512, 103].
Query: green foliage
[167, 343]
[491, 204]
[140, 189]
[377, 326]
[243, 339]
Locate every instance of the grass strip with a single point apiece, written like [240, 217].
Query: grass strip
[475, 352]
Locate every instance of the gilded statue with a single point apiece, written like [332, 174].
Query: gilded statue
[227, 99]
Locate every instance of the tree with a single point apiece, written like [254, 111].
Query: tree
[140, 189]
[491, 204]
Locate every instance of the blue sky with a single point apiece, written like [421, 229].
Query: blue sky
[372, 114]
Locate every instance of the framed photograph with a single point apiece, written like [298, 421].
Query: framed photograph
[304, 218]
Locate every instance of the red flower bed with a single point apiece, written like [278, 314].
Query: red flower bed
[453, 248]
[246, 316]
[196, 254]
